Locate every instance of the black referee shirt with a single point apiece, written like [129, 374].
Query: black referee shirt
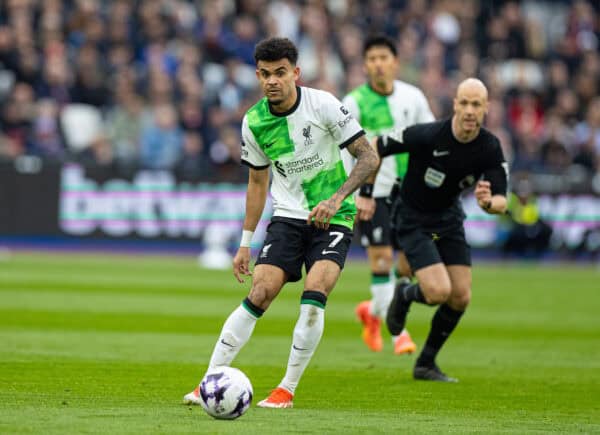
[440, 167]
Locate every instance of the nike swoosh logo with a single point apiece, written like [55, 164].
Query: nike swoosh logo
[437, 153]
[297, 348]
[324, 252]
[227, 344]
[269, 145]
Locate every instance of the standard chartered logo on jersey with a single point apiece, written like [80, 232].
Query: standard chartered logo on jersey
[152, 204]
[302, 165]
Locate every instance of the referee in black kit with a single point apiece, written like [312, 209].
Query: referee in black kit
[446, 157]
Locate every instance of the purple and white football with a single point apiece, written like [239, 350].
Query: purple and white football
[225, 393]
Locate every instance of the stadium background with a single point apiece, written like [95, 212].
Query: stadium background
[117, 118]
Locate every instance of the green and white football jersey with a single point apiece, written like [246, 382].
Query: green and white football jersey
[388, 115]
[304, 145]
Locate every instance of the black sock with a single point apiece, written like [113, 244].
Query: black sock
[412, 293]
[443, 323]
[314, 298]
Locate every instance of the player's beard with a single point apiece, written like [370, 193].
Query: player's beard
[277, 97]
[275, 101]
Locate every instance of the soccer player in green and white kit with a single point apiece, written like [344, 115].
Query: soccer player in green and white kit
[383, 105]
[300, 133]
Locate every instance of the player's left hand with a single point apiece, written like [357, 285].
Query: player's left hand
[483, 193]
[241, 263]
[365, 208]
[322, 213]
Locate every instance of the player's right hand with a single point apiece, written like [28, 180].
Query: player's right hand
[365, 208]
[241, 264]
[322, 213]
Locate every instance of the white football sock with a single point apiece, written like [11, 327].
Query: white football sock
[235, 333]
[307, 334]
[381, 296]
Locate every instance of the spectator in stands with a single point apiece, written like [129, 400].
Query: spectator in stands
[225, 154]
[8, 56]
[47, 140]
[10, 148]
[587, 138]
[124, 123]
[98, 154]
[17, 116]
[56, 79]
[528, 234]
[161, 139]
[90, 86]
[240, 41]
[193, 162]
[496, 122]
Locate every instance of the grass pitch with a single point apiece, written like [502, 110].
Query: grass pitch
[109, 344]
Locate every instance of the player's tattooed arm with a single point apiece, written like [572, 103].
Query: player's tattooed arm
[371, 178]
[367, 161]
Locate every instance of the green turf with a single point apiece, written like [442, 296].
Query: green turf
[101, 344]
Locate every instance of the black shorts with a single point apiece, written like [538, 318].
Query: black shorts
[430, 238]
[376, 232]
[290, 243]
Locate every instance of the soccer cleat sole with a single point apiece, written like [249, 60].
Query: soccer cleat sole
[405, 349]
[265, 404]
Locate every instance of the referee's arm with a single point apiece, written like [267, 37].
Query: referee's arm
[387, 146]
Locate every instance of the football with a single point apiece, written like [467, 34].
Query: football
[225, 393]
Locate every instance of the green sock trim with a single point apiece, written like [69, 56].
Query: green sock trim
[397, 273]
[380, 279]
[312, 302]
[250, 310]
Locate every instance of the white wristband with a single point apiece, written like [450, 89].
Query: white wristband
[246, 239]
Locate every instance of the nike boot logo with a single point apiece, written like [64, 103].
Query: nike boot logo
[437, 153]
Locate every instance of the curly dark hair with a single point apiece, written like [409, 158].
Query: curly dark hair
[272, 49]
[379, 40]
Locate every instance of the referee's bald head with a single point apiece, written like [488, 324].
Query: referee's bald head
[470, 108]
[471, 85]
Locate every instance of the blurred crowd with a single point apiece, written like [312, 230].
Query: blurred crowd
[164, 83]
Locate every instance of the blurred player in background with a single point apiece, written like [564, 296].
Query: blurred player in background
[300, 133]
[446, 158]
[383, 105]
